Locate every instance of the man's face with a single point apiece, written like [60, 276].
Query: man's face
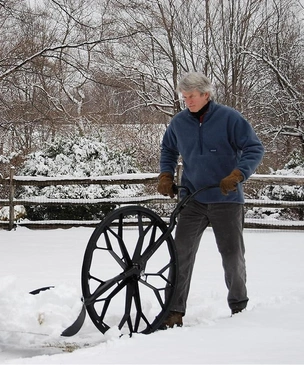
[194, 100]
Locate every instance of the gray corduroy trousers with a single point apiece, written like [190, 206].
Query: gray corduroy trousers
[227, 221]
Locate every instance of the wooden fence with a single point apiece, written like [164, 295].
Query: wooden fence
[13, 182]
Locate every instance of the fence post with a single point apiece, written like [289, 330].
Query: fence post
[179, 172]
[11, 199]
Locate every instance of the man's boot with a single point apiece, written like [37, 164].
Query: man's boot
[173, 319]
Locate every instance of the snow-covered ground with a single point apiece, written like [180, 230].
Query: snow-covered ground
[270, 331]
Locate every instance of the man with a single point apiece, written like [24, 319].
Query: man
[218, 147]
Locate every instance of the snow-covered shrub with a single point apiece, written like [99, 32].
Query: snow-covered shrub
[19, 211]
[274, 213]
[295, 167]
[76, 157]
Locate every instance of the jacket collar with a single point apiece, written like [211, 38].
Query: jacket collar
[200, 114]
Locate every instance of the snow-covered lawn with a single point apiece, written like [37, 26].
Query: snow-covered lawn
[270, 331]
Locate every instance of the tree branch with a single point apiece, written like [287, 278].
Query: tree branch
[60, 47]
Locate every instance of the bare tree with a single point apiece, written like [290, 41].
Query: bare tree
[150, 62]
[224, 39]
[279, 53]
[46, 68]
[87, 65]
[180, 36]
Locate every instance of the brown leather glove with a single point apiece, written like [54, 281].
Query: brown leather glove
[230, 182]
[165, 184]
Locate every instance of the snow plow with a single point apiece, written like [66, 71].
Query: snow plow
[129, 270]
[136, 247]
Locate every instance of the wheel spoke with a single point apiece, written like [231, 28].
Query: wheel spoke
[141, 236]
[168, 285]
[128, 303]
[106, 285]
[124, 251]
[139, 312]
[142, 233]
[108, 299]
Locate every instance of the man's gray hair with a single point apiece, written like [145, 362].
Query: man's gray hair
[195, 81]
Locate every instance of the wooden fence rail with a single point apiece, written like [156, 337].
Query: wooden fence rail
[145, 178]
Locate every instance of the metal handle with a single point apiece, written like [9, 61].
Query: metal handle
[181, 205]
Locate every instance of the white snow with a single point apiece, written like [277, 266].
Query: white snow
[270, 331]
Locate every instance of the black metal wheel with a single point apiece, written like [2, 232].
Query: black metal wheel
[129, 271]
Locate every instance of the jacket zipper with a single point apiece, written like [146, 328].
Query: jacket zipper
[200, 132]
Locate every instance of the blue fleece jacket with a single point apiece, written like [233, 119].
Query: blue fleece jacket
[210, 150]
